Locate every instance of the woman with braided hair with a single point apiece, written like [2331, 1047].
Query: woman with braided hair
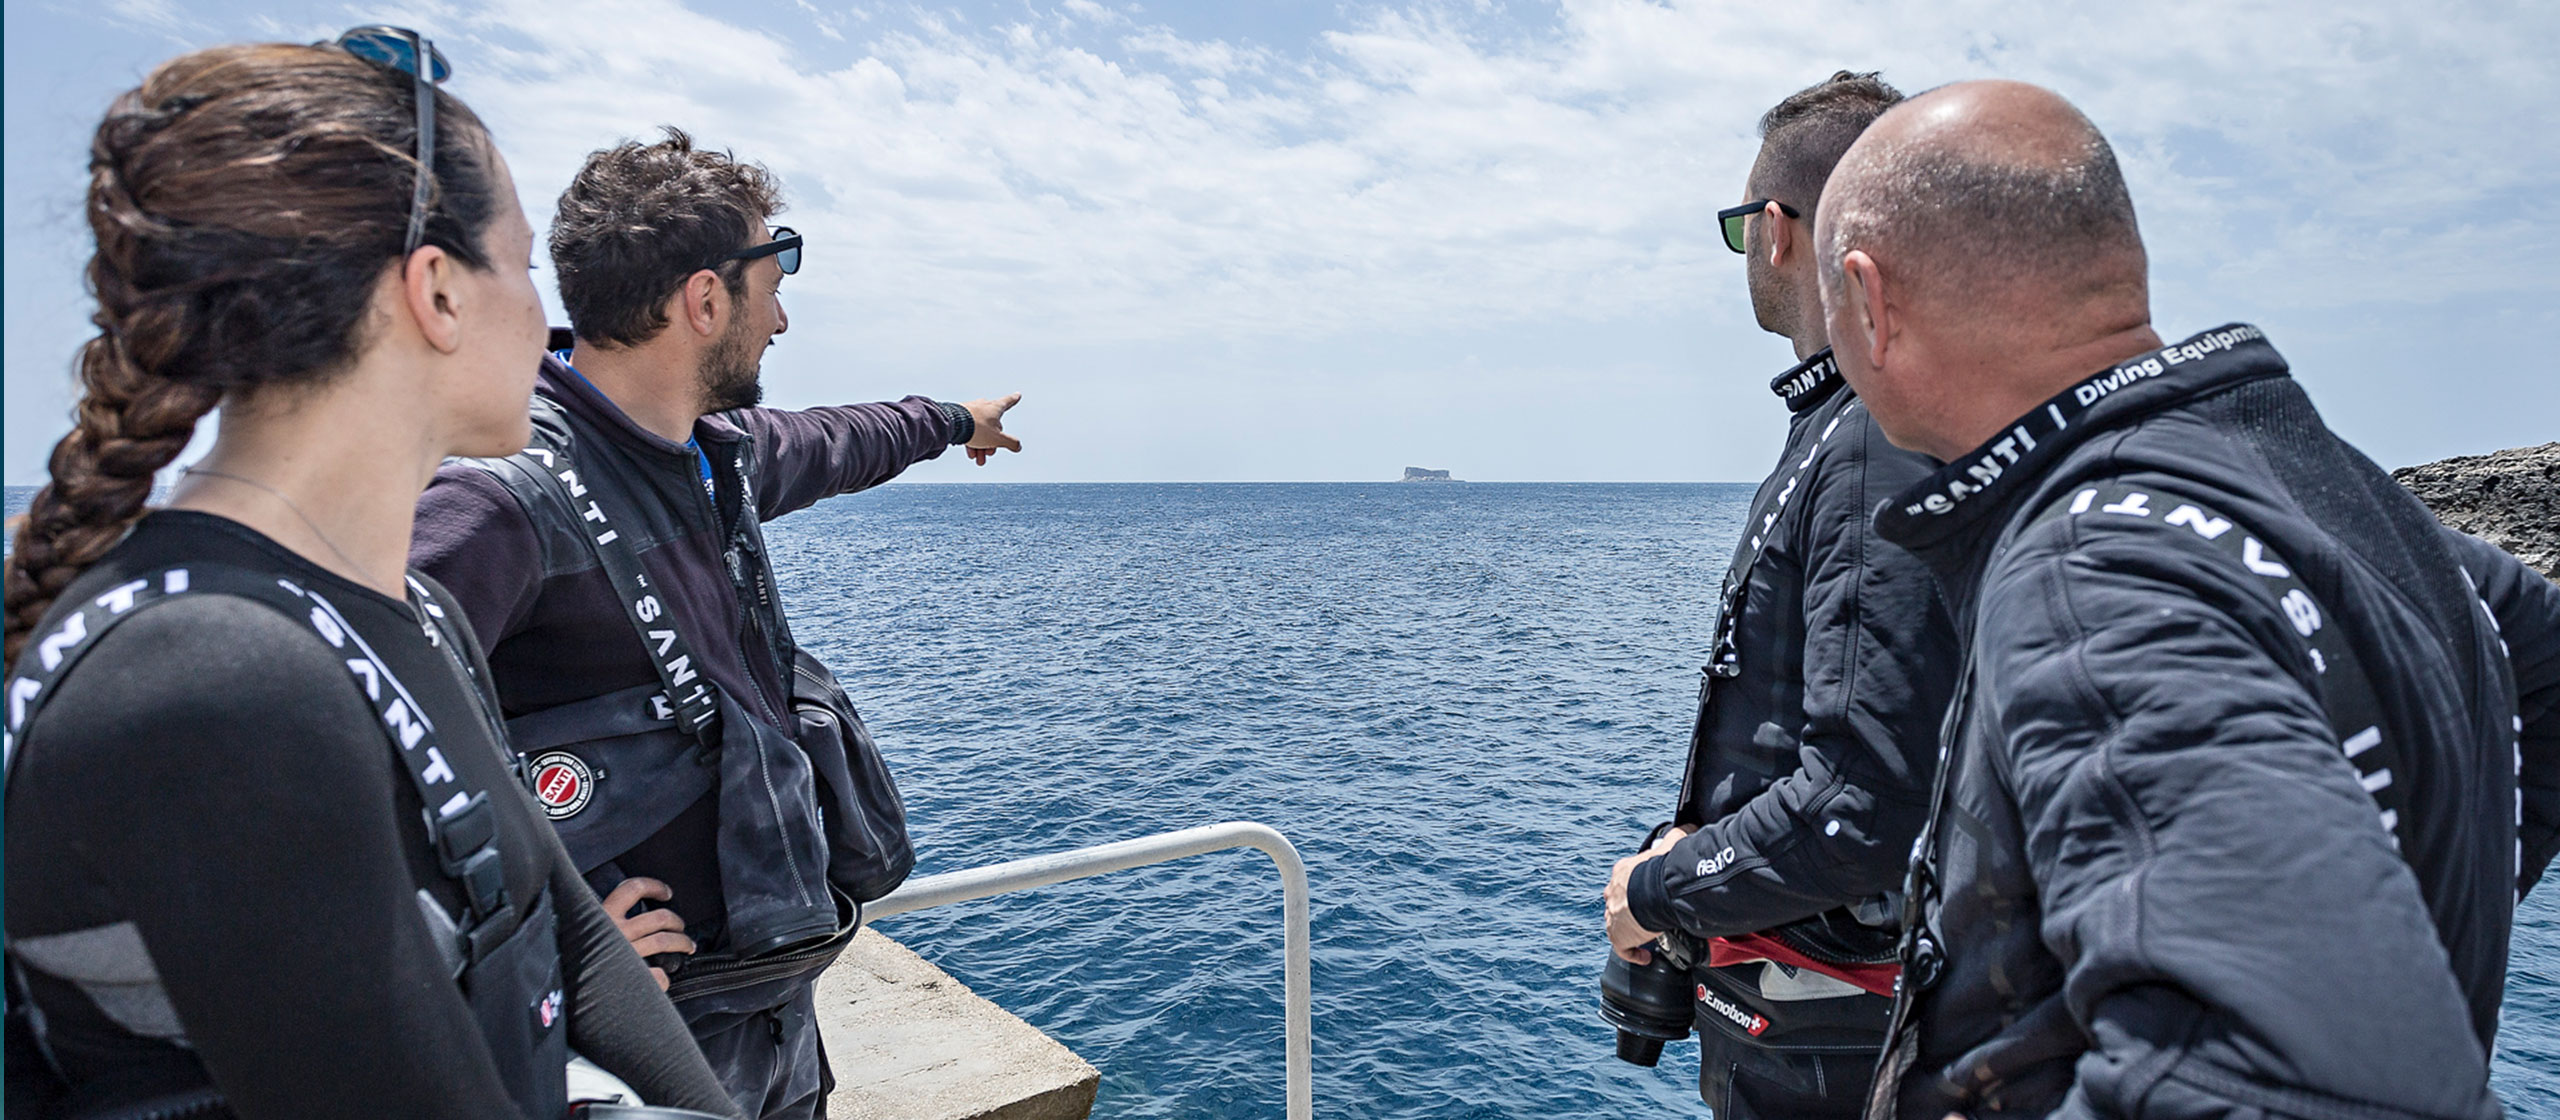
[267, 853]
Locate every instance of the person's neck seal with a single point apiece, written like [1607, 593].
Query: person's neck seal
[1809, 382]
[2008, 464]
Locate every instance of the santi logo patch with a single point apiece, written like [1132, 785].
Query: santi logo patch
[562, 783]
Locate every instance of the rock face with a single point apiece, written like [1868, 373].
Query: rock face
[1420, 474]
[2509, 498]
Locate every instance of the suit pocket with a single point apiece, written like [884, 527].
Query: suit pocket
[610, 771]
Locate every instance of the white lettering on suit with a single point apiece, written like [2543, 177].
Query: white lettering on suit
[74, 629]
[403, 721]
[120, 599]
[1715, 863]
[2207, 527]
[2254, 555]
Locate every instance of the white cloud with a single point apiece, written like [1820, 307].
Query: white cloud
[161, 16]
[1015, 182]
[1073, 177]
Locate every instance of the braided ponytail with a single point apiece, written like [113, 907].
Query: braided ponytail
[244, 201]
[130, 425]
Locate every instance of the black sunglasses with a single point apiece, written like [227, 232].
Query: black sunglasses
[1731, 219]
[400, 49]
[784, 249]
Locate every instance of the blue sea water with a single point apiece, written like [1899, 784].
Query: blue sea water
[1462, 702]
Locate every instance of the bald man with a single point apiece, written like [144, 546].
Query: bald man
[2243, 782]
[1815, 740]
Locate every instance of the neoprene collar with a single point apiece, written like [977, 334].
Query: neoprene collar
[1809, 382]
[2007, 465]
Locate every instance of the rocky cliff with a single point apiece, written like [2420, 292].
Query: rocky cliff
[2509, 498]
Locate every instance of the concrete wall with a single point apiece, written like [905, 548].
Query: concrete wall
[909, 1042]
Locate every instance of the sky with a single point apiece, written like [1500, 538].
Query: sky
[1284, 240]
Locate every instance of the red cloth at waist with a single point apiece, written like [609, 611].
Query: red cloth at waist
[1725, 952]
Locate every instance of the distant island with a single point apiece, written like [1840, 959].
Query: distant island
[1418, 474]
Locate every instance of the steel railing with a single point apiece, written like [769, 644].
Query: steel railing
[1059, 867]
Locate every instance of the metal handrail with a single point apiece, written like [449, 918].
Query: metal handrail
[1121, 855]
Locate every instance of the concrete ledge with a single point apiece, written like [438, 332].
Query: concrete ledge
[909, 1042]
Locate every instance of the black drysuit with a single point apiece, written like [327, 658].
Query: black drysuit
[1816, 736]
[2155, 884]
[214, 863]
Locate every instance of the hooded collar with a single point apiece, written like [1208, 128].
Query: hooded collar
[1967, 491]
[1809, 382]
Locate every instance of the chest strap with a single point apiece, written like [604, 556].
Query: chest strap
[686, 696]
[462, 825]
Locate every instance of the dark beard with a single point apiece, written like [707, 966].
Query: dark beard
[731, 373]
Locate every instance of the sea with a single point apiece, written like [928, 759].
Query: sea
[1461, 701]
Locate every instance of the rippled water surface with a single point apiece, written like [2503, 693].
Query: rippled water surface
[1462, 702]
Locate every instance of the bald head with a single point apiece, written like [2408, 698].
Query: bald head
[1986, 192]
[1976, 251]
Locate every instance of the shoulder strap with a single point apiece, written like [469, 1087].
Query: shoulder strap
[461, 823]
[2346, 691]
[1724, 658]
[688, 697]
[1756, 535]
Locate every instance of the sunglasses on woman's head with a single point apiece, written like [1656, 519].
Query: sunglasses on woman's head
[400, 49]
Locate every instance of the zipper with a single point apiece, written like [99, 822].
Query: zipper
[737, 588]
[1787, 936]
[1914, 901]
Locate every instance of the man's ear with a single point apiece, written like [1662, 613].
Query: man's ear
[1782, 234]
[703, 303]
[426, 285]
[1870, 313]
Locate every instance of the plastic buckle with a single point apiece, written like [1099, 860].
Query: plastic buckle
[484, 883]
[485, 937]
[466, 831]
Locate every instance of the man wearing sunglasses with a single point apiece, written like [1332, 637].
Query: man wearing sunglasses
[617, 573]
[1816, 733]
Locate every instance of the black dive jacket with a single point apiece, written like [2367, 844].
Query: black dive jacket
[1816, 735]
[2154, 885]
[740, 842]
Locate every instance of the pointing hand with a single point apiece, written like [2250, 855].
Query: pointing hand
[990, 437]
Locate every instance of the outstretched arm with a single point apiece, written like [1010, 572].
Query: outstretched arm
[812, 454]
